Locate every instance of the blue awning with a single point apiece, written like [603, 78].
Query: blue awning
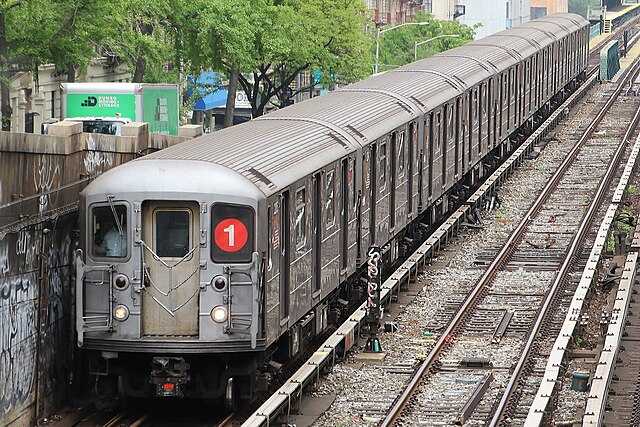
[217, 99]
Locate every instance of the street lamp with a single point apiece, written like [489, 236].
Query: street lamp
[416, 44]
[389, 29]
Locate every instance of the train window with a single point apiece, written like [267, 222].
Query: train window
[352, 184]
[172, 236]
[484, 100]
[438, 130]
[300, 220]
[401, 154]
[274, 236]
[475, 106]
[383, 166]
[232, 228]
[109, 231]
[450, 127]
[330, 203]
[505, 89]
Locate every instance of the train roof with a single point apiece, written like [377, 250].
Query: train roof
[365, 114]
[284, 146]
[271, 153]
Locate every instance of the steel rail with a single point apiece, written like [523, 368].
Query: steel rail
[501, 257]
[578, 238]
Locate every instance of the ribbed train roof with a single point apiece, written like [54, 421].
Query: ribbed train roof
[285, 145]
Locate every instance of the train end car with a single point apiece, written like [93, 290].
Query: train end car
[168, 277]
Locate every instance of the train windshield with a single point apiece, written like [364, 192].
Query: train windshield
[109, 231]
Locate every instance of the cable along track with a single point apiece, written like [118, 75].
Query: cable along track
[461, 377]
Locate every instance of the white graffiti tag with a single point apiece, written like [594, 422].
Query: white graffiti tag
[45, 171]
[96, 161]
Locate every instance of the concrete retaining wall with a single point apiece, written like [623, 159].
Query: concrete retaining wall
[40, 178]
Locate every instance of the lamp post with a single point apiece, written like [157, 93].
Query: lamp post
[416, 44]
[389, 29]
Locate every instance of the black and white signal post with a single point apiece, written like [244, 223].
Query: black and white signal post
[374, 286]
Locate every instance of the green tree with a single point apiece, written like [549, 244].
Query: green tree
[397, 46]
[271, 41]
[62, 32]
[149, 39]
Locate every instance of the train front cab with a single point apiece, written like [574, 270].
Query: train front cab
[176, 311]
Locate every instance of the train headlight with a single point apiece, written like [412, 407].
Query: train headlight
[121, 281]
[121, 313]
[219, 283]
[219, 314]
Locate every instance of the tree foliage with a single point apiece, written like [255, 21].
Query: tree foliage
[397, 46]
[268, 42]
[271, 41]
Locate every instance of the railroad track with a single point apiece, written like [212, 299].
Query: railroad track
[377, 406]
[508, 306]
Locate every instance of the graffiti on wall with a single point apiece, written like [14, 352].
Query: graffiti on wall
[96, 161]
[20, 298]
[58, 306]
[17, 341]
[45, 171]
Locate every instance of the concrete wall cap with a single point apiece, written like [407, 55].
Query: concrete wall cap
[135, 129]
[190, 131]
[65, 128]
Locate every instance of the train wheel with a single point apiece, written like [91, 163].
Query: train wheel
[232, 396]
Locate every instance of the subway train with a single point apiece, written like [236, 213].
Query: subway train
[204, 266]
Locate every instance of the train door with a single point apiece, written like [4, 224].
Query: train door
[272, 300]
[329, 230]
[400, 208]
[474, 136]
[382, 202]
[413, 166]
[493, 112]
[171, 235]
[285, 257]
[425, 163]
[364, 210]
[458, 141]
[393, 177]
[482, 120]
[373, 196]
[347, 169]
[527, 88]
[518, 96]
[318, 227]
[351, 208]
[504, 109]
[430, 139]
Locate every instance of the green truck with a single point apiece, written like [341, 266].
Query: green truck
[105, 107]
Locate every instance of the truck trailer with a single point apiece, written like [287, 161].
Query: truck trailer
[156, 104]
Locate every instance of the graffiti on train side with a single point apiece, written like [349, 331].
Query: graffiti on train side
[45, 171]
[96, 161]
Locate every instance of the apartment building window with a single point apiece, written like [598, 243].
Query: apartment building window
[428, 6]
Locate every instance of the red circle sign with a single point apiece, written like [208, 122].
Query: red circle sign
[231, 235]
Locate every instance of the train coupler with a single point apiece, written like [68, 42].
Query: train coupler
[169, 375]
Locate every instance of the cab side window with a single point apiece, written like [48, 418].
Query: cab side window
[109, 231]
